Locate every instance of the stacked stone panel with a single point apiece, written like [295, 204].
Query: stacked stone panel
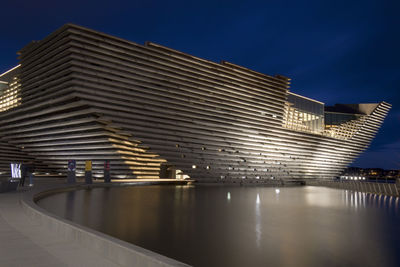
[90, 96]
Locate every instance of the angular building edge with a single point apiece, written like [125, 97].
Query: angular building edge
[153, 111]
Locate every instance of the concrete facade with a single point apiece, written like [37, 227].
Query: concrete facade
[85, 95]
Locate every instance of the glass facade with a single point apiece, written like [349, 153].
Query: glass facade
[304, 114]
[10, 88]
[335, 118]
[10, 95]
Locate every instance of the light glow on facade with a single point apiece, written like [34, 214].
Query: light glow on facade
[151, 111]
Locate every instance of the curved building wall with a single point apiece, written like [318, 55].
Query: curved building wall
[90, 96]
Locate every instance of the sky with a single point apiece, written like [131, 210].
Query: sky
[334, 51]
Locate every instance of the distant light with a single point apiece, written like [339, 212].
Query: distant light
[194, 166]
[257, 177]
[222, 177]
[243, 177]
[208, 167]
[277, 191]
[47, 173]
[272, 177]
[363, 178]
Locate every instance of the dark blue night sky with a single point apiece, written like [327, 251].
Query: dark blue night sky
[334, 51]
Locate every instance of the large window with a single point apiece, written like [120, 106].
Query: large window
[304, 114]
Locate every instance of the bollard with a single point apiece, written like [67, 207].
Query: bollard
[30, 179]
[107, 178]
[88, 172]
[71, 177]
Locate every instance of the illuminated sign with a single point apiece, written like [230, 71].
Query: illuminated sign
[16, 170]
[107, 165]
[88, 165]
[71, 165]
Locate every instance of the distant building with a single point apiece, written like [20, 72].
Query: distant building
[153, 111]
[369, 173]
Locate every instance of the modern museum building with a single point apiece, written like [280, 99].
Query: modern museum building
[154, 112]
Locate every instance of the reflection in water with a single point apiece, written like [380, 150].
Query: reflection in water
[258, 221]
[243, 226]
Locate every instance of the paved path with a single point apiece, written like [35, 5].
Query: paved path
[26, 243]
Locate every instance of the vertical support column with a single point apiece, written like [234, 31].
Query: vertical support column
[88, 172]
[71, 176]
[107, 178]
[397, 187]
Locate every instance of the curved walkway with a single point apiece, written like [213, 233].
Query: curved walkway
[25, 241]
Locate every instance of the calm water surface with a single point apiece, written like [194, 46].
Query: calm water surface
[243, 226]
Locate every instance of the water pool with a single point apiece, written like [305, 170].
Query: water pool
[243, 226]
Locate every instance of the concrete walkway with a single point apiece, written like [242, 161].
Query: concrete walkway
[31, 236]
[26, 243]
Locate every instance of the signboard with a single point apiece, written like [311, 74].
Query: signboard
[107, 165]
[71, 165]
[15, 170]
[88, 165]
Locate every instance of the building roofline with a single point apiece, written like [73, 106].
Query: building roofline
[291, 93]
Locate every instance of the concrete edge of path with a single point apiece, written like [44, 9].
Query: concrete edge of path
[113, 249]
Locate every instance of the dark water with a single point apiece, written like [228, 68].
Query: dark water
[243, 226]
